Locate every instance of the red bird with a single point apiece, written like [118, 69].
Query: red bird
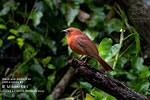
[81, 44]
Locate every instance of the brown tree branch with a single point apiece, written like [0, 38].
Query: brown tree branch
[61, 86]
[104, 82]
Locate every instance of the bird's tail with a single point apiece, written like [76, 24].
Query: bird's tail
[104, 64]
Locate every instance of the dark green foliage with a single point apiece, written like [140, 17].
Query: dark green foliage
[32, 46]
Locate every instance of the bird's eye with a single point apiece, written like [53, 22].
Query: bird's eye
[69, 31]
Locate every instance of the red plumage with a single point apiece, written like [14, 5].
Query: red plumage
[81, 44]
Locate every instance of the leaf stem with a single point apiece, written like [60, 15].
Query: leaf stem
[128, 36]
[121, 43]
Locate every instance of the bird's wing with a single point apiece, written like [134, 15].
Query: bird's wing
[87, 45]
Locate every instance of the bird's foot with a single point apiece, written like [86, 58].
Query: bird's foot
[85, 59]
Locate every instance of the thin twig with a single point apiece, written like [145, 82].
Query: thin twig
[31, 12]
[25, 12]
[25, 62]
[126, 49]
[72, 94]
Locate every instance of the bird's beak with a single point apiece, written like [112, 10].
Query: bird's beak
[64, 31]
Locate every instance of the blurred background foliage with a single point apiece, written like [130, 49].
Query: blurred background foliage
[31, 45]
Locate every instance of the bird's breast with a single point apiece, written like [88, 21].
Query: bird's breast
[70, 39]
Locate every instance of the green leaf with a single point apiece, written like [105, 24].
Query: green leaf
[24, 28]
[115, 49]
[64, 41]
[1, 42]
[50, 66]
[101, 95]
[24, 96]
[15, 32]
[61, 61]
[107, 7]
[75, 85]
[52, 3]
[37, 14]
[85, 85]
[92, 62]
[20, 39]
[37, 68]
[137, 40]
[50, 82]
[49, 3]
[36, 18]
[5, 10]
[106, 50]
[92, 34]
[99, 12]
[49, 86]
[2, 26]
[97, 18]
[145, 74]
[142, 85]
[33, 94]
[20, 42]
[11, 37]
[51, 44]
[52, 77]
[122, 61]
[69, 51]
[114, 25]
[28, 52]
[2, 20]
[89, 97]
[137, 64]
[104, 47]
[46, 60]
[72, 13]
[97, 94]
[49, 98]
[77, 2]
[40, 6]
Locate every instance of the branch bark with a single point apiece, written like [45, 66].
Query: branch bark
[104, 82]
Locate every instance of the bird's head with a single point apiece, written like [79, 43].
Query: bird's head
[71, 30]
